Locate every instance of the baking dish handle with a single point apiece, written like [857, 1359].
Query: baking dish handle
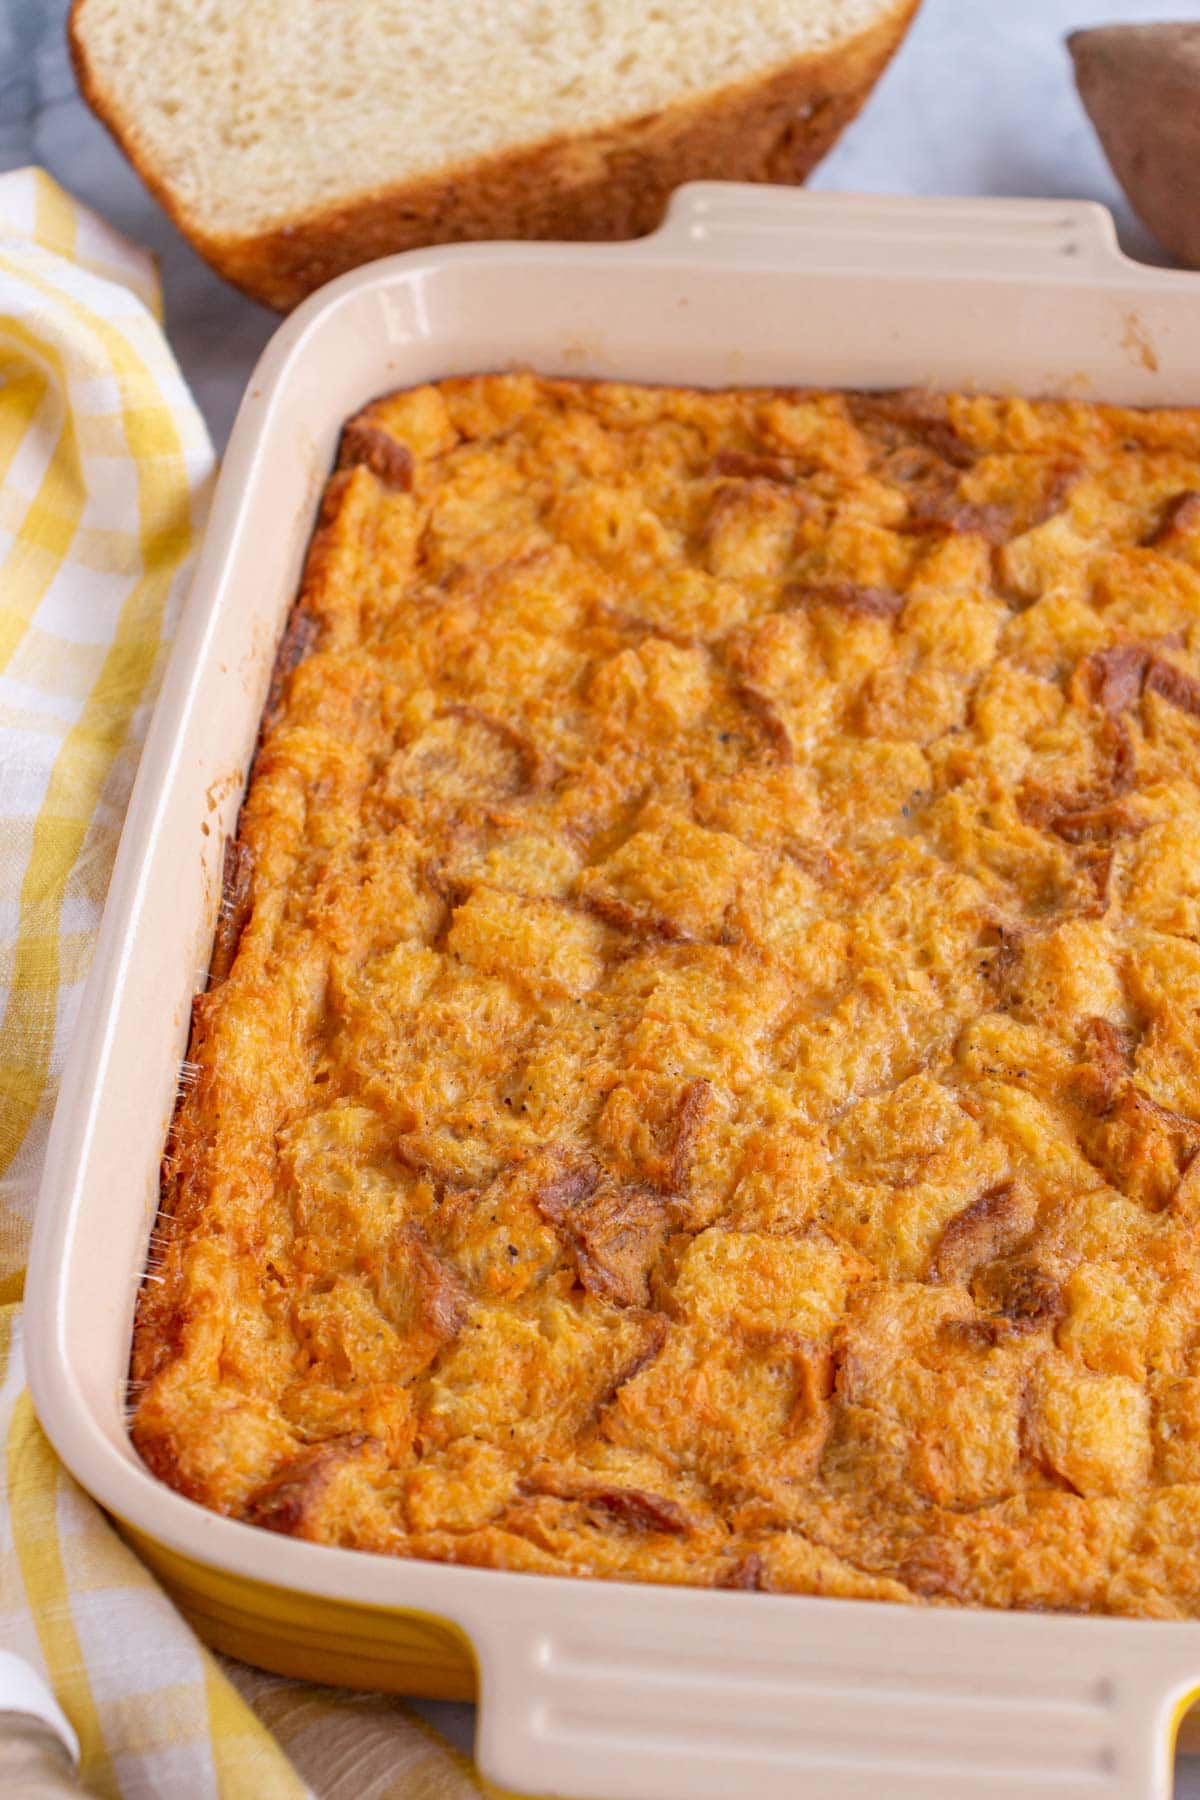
[783, 1704]
[725, 221]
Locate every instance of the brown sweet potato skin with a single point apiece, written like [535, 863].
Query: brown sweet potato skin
[1141, 87]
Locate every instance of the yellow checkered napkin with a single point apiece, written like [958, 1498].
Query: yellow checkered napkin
[105, 470]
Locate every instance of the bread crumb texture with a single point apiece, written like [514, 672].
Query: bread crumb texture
[701, 1076]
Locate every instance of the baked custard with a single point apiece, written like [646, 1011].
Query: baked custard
[700, 1074]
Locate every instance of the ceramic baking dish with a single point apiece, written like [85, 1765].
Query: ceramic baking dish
[586, 1688]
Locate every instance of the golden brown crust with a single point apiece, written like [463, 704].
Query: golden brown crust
[704, 1085]
[612, 182]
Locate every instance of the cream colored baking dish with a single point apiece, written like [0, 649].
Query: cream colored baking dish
[586, 1689]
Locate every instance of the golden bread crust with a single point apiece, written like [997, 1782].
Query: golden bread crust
[608, 183]
[699, 1080]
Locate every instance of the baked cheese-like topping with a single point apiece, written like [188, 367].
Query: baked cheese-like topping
[700, 1078]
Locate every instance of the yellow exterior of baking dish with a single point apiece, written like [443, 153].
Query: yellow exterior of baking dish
[313, 1638]
[584, 1687]
[377, 1649]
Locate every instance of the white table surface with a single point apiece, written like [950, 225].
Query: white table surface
[980, 100]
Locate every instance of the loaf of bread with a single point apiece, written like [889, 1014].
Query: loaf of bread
[291, 140]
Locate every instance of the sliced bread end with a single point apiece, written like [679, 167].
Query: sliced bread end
[606, 182]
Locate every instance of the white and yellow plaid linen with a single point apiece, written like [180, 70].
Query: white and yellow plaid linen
[105, 470]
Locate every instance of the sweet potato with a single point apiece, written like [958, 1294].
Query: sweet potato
[1141, 87]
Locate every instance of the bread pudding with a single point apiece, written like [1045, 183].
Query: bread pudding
[699, 1079]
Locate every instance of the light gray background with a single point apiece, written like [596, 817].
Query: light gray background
[980, 100]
